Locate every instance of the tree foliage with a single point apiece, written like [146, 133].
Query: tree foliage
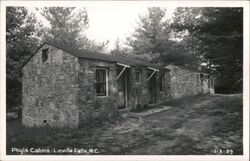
[194, 37]
[24, 34]
[149, 35]
[20, 43]
[153, 38]
[66, 24]
[218, 35]
[120, 49]
[207, 39]
[67, 27]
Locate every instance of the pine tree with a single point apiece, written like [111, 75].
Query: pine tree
[21, 42]
[148, 35]
[67, 27]
[218, 35]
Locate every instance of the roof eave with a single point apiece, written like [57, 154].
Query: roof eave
[33, 55]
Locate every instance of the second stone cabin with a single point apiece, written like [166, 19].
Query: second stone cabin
[63, 86]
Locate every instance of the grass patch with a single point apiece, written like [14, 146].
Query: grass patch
[87, 136]
[141, 108]
[184, 146]
[185, 101]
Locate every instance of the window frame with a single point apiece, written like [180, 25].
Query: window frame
[162, 85]
[106, 93]
[139, 76]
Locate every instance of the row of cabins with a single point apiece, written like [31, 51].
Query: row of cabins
[65, 87]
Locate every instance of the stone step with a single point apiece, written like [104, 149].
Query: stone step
[146, 113]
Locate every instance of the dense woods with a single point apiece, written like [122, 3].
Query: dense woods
[206, 39]
[21, 42]
[216, 35]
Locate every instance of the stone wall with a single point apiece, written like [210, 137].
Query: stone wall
[184, 82]
[91, 106]
[61, 91]
[50, 90]
[139, 93]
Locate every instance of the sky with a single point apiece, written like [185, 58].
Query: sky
[109, 23]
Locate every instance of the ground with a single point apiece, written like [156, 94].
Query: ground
[210, 124]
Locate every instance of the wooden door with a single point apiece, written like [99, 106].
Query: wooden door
[152, 89]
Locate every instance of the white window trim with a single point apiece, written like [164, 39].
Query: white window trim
[107, 82]
[163, 83]
[140, 75]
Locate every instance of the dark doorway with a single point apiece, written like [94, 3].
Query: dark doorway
[152, 88]
[122, 89]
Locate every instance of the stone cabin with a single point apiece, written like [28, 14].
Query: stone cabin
[64, 86]
[187, 82]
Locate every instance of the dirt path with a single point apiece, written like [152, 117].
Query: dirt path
[196, 125]
[207, 125]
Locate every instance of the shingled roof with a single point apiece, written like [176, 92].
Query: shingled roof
[104, 57]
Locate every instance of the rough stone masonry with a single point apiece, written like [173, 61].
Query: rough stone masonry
[59, 87]
[50, 89]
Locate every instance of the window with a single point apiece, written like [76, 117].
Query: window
[101, 82]
[162, 82]
[138, 76]
[45, 55]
